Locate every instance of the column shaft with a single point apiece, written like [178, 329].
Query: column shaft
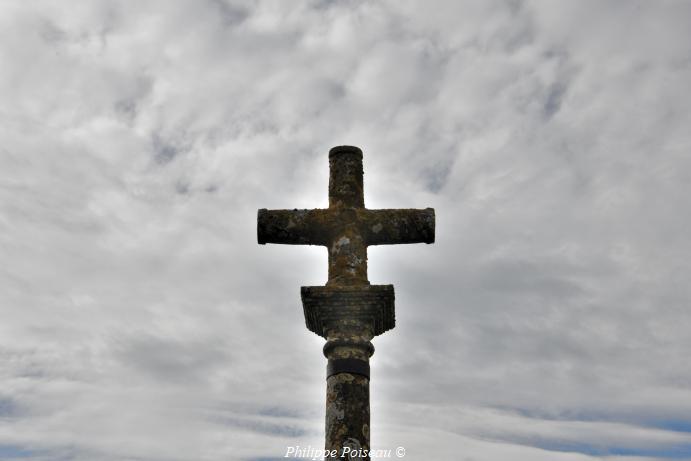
[347, 391]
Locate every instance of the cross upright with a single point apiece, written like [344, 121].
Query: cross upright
[347, 311]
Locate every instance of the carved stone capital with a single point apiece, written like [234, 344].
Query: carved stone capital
[332, 310]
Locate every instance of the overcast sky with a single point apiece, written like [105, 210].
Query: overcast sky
[140, 319]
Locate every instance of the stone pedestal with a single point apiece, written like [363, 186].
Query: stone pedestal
[348, 317]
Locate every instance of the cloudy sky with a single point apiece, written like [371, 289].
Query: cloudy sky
[141, 321]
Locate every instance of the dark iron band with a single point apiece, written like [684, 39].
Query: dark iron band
[353, 366]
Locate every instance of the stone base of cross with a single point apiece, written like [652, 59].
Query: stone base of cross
[348, 312]
[348, 317]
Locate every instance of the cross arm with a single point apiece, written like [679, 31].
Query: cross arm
[388, 227]
[292, 227]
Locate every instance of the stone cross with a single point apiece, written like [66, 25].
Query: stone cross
[348, 311]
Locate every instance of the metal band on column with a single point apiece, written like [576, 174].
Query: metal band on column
[352, 366]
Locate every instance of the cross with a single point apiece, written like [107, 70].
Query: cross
[346, 228]
[348, 311]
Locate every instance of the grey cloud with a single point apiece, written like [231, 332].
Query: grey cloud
[172, 360]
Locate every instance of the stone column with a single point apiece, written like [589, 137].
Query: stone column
[348, 317]
[348, 350]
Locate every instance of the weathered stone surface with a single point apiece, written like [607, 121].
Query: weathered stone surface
[293, 227]
[347, 393]
[347, 414]
[348, 311]
[345, 178]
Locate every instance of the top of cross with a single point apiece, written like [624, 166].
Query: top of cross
[346, 228]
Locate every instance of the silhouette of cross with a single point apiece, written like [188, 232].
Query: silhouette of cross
[346, 228]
